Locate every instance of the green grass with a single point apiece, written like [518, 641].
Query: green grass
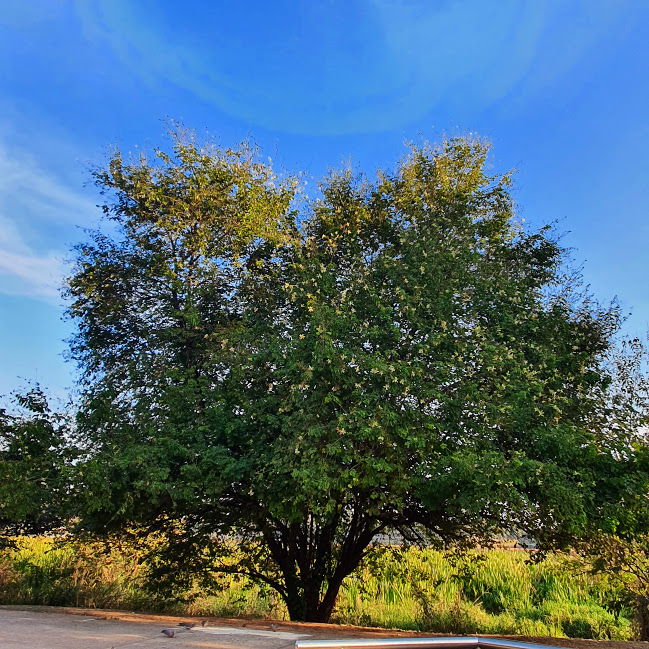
[490, 592]
[39, 571]
[497, 592]
[45, 572]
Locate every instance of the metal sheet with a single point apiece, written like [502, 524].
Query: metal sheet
[419, 643]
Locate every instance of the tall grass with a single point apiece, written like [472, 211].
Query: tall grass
[39, 571]
[496, 591]
[48, 572]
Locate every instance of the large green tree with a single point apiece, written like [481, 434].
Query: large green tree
[398, 354]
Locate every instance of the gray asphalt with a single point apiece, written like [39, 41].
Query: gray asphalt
[47, 629]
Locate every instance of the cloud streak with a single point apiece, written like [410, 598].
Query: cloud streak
[31, 275]
[363, 66]
[36, 208]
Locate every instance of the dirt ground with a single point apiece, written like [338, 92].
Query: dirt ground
[42, 627]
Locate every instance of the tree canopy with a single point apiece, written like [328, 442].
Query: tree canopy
[397, 354]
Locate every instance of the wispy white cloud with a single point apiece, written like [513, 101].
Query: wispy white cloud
[30, 275]
[376, 64]
[41, 192]
[38, 212]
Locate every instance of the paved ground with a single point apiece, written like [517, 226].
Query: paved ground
[46, 629]
[40, 627]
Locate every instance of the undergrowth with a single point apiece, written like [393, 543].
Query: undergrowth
[487, 592]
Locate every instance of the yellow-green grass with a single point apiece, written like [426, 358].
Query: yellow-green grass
[495, 591]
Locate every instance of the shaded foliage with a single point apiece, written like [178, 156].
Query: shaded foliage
[36, 455]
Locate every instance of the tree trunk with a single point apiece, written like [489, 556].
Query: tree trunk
[642, 617]
[326, 606]
[295, 602]
[304, 557]
[305, 600]
[304, 604]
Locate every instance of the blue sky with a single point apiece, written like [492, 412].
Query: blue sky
[560, 86]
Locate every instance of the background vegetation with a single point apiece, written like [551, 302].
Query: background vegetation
[495, 591]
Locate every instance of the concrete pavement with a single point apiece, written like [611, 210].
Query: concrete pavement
[44, 627]
[26, 627]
